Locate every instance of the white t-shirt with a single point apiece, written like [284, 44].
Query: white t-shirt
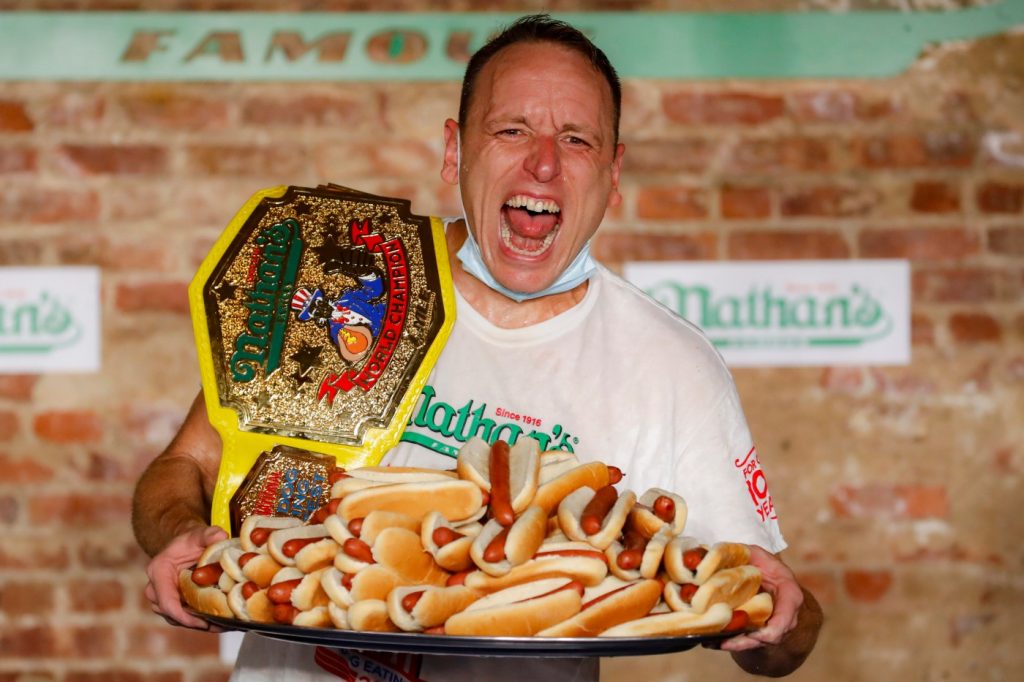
[617, 378]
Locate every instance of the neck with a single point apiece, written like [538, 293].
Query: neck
[500, 310]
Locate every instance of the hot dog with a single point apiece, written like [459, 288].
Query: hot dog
[523, 539]
[256, 607]
[721, 555]
[513, 484]
[676, 623]
[758, 609]
[416, 608]
[574, 560]
[519, 611]
[256, 530]
[368, 527]
[592, 475]
[457, 500]
[657, 508]
[400, 550]
[635, 557]
[447, 544]
[680, 551]
[619, 603]
[208, 599]
[577, 505]
[305, 547]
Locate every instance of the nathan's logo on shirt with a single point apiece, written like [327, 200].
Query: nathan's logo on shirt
[435, 419]
[273, 267]
[757, 485]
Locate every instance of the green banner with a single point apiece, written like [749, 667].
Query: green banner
[248, 46]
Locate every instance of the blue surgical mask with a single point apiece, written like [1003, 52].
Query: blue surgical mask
[579, 271]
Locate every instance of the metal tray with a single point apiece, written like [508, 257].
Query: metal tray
[416, 643]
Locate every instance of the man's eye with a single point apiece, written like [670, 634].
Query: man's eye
[577, 141]
[510, 132]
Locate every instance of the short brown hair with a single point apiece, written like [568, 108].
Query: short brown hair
[541, 28]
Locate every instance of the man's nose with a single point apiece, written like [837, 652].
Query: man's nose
[543, 161]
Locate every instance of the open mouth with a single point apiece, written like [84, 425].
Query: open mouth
[529, 225]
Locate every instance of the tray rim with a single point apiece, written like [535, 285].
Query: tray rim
[450, 645]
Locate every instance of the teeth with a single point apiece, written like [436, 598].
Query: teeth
[531, 204]
[506, 236]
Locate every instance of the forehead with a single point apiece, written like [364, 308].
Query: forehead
[535, 73]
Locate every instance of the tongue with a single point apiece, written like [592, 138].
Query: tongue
[533, 225]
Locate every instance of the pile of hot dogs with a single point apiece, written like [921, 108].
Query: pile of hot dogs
[514, 542]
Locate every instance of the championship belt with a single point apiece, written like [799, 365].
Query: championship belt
[318, 315]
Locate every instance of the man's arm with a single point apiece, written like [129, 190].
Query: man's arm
[782, 645]
[171, 508]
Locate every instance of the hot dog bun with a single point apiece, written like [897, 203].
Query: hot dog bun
[570, 513]
[209, 599]
[257, 608]
[731, 586]
[645, 521]
[588, 566]
[434, 606]
[316, 617]
[524, 468]
[260, 569]
[456, 500]
[400, 550]
[674, 624]
[276, 544]
[622, 603]
[255, 521]
[370, 615]
[519, 611]
[721, 555]
[524, 539]
[673, 558]
[454, 555]
[593, 475]
[759, 609]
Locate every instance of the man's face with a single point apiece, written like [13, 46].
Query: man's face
[539, 161]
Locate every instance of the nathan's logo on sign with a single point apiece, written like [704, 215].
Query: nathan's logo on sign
[273, 266]
[40, 324]
[49, 319]
[365, 322]
[827, 317]
[790, 313]
[435, 420]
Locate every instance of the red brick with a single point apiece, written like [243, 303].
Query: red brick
[167, 107]
[829, 200]
[17, 386]
[15, 252]
[922, 330]
[91, 641]
[8, 510]
[27, 642]
[693, 155]
[167, 297]
[775, 154]
[77, 510]
[935, 197]
[17, 160]
[21, 598]
[95, 595]
[40, 204]
[74, 109]
[822, 584]
[878, 501]
[310, 110]
[69, 426]
[965, 285]
[672, 203]
[937, 149]
[99, 467]
[1000, 197]
[24, 470]
[618, 247]
[234, 160]
[14, 118]
[848, 380]
[1007, 241]
[77, 249]
[123, 675]
[9, 426]
[867, 586]
[975, 328]
[157, 641]
[722, 108]
[918, 243]
[24, 676]
[152, 424]
[745, 202]
[222, 675]
[111, 554]
[109, 159]
[838, 106]
[25, 551]
[778, 244]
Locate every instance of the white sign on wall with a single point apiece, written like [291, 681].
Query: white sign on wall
[49, 320]
[787, 313]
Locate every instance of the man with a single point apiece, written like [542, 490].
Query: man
[546, 339]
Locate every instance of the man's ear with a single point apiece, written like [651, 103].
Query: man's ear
[450, 166]
[614, 197]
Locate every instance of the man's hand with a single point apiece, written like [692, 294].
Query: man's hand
[785, 641]
[787, 598]
[162, 589]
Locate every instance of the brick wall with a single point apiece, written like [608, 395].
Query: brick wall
[897, 487]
